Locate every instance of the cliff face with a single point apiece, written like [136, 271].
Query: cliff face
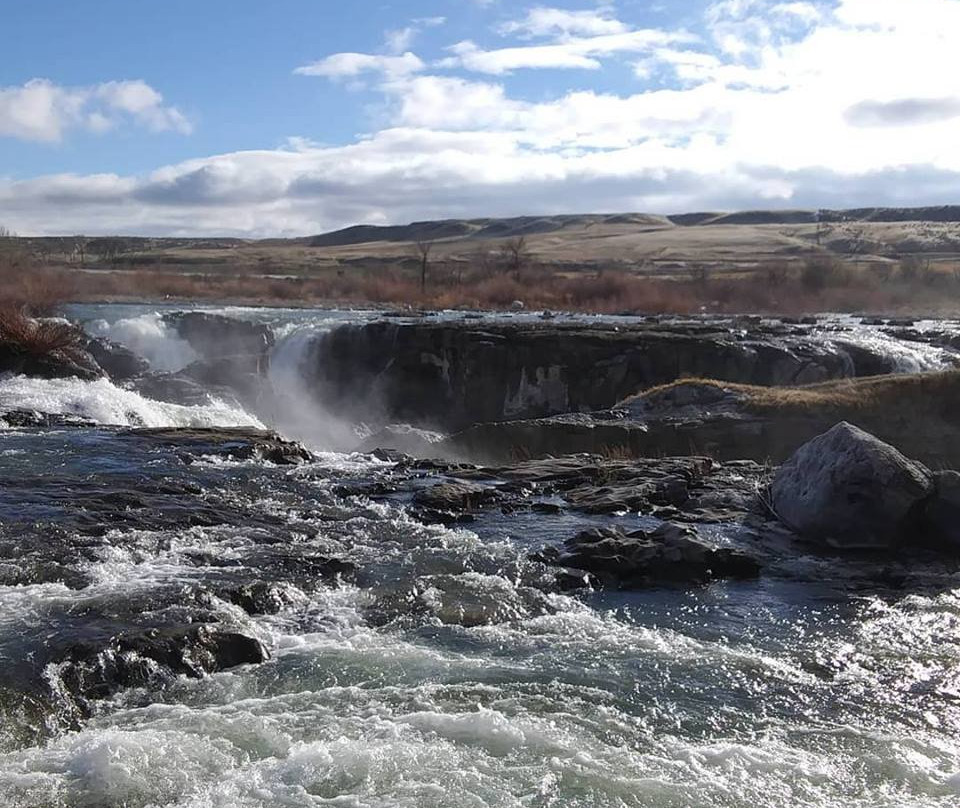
[449, 375]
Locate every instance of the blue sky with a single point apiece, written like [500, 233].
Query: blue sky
[297, 116]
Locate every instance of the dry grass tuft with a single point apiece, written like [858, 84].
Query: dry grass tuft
[912, 396]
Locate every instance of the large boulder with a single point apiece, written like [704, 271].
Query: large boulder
[850, 490]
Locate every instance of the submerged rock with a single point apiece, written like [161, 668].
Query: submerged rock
[851, 490]
[670, 554]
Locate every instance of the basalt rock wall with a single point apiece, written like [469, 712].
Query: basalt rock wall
[450, 375]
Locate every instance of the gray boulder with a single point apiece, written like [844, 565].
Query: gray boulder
[851, 490]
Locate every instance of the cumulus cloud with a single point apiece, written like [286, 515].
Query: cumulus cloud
[43, 111]
[847, 103]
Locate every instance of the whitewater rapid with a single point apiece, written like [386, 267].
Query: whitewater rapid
[441, 677]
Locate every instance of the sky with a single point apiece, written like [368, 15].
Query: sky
[293, 117]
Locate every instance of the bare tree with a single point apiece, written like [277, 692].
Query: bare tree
[516, 254]
[424, 248]
[78, 247]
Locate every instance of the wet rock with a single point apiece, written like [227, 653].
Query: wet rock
[404, 439]
[450, 375]
[154, 657]
[65, 363]
[696, 489]
[239, 443]
[851, 490]
[214, 336]
[240, 374]
[262, 597]
[668, 555]
[118, 362]
[31, 419]
[472, 599]
[176, 388]
[468, 599]
[943, 512]
[452, 497]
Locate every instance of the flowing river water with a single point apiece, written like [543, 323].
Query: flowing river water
[442, 674]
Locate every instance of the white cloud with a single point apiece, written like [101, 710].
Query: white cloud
[543, 21]
[859, 105]
[583, 53]
[351, 65]
[400, 40]
[43, 111]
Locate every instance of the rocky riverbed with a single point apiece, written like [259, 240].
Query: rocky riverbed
[196, 610]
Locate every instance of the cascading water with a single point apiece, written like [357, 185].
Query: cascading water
[445, 674]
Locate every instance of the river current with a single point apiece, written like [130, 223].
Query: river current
[442, 675]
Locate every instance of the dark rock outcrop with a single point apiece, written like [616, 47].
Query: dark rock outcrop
[240, 443]
[153, 657]
[943, 512]
[850, 490]
[66, 363]
[118, 362]
[176, 389]
[454, 374]
[670, 554]
[31, 419]
[214, 336]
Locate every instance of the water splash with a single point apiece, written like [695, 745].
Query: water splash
[104, 403]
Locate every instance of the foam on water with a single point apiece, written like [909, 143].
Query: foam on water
[150, 337]
[104, 403]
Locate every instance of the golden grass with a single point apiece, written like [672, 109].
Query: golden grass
[891, 396]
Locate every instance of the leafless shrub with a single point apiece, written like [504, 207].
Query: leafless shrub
[824, 271]
[35, 337]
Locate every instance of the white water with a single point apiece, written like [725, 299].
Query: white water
[293, 409]
[104, 403]
[150, 337]
[589, 706]
[905, 356]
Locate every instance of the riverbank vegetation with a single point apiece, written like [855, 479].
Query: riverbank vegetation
[818, 284]
[36, 275]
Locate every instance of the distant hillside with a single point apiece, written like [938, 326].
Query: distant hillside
[492, 228]
[478, 228]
